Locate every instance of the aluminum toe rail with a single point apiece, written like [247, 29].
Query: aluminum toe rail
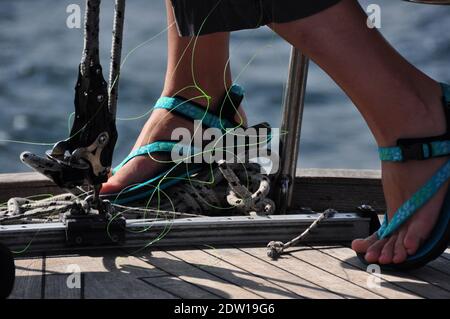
[239, 230]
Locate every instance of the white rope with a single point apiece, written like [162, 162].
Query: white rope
[244, 200]
[195, 198]
[277, 248]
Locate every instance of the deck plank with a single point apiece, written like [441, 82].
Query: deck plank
[230, 273]
[108, 276]
[58, 273]
[406, 281]
[28, 284]
[200, 278]
[107, 286]
[433, 276]
[351, 274]
[282, 278]
[309, 272]
[446, 254]
[316, 275]
[442, 263]
[179, 288]
[56, 287]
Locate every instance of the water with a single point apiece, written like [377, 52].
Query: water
[39, 57]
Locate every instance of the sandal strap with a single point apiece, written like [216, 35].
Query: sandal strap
[188, 109]
[421, 148]
[416, 201]
[415, 151]
[192, 111]
[383, 225]
[156, 147]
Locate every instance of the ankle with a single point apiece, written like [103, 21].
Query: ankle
[208, 91]
[189, 93]
[422, 116]
[212, 101]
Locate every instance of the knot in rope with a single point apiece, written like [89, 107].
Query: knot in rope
[241, 197]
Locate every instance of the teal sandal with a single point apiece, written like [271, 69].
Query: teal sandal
[176, 172]
[421, 149]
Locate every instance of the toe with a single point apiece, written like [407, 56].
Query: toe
[360, 246]
[400, 253]
[411, 243]
[110, 187]
[374, 251]
[387, 253]
[412, 240]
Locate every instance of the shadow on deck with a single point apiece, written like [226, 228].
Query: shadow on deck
[226, 272]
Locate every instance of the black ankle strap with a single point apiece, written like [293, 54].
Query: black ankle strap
[425, 147]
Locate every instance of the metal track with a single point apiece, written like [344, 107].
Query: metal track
[239, 230]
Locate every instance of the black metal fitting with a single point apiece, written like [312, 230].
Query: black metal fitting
[89, 228]
[7, 272]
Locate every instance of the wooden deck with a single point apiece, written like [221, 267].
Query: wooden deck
[229, 272]
[226, 272]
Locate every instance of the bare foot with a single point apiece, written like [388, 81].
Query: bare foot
[400, 182]
[158, 127]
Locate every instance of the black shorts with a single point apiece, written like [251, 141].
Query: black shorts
[199, 17]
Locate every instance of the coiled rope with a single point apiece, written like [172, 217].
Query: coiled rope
[234, 189]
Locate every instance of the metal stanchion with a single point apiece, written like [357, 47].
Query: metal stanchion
[291, 127]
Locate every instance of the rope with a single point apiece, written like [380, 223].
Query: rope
[277, 248]
[231, 188]
[240, 197]
[26, 210]
[196, 198]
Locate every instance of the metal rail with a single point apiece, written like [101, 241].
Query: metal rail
[238, 230]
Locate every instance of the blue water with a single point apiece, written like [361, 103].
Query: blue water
[39, 57]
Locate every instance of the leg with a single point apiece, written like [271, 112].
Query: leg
[194, 71]
[396, 100]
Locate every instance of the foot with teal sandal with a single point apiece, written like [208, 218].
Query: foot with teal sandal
[416, 228]
[149, 165]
